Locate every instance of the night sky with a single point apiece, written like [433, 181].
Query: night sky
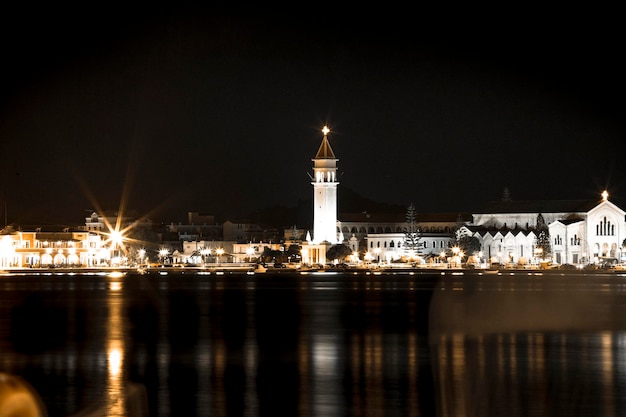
[172, 111]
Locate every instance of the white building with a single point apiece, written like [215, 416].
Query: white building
[382, 236]
[581, 232]
[324, 182]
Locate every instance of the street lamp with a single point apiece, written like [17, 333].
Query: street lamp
[377, 252]
[250, 252]
[455, 251]
[305, 256]
[116, 238]
[355, 257]
[163, 254]
[218, 252]
[205, 253]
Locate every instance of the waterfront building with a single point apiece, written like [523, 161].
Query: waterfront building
[203, 252]
[51, 248]
[385, 235]
[581, 231]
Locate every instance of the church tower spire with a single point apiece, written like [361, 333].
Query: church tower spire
[325, 192]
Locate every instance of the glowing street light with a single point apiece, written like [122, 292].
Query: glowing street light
[205, 252]
[250, 252]
[142, 254]
[456, 250]
[218, 252]
[355, 257]
[368, 257]
[163, 254]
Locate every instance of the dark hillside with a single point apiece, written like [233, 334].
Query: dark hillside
[301, 215]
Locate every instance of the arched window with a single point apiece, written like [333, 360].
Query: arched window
[391, 244]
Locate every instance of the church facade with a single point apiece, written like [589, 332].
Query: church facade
[580, 231]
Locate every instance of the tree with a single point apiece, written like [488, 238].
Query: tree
[272, 255]
[542, 242]
[468, 244]
[506, 194]
[412, 232]
[293, 253]
[339, 252]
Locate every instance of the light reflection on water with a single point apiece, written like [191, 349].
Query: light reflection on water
[530, 374]
[408, 345]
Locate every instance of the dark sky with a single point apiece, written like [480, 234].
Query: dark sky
[198, 110]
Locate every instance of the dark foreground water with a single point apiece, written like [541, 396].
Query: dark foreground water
[429, 344]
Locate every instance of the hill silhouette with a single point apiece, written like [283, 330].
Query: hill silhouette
[301, 214]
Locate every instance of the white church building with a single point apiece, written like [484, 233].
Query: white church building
[581, 231]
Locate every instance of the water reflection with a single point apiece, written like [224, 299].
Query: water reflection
[545, 347]
[529, 374]
[317, 346]
[388, 367]
[277, 317]
[115, 401]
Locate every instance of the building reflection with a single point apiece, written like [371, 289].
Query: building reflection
[519, 374]
[376, 368]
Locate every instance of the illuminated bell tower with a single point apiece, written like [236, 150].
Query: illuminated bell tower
[325, 193]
